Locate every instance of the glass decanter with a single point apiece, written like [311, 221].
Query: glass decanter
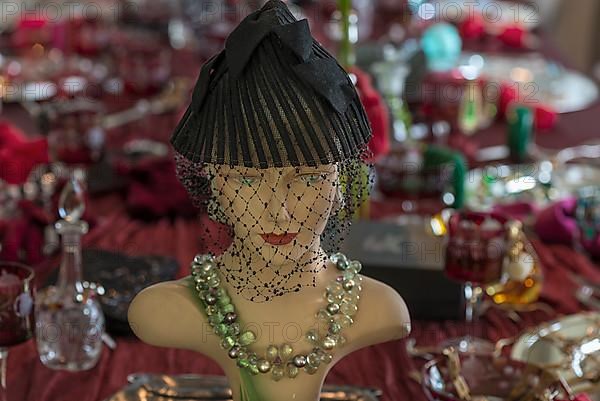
[69, 320]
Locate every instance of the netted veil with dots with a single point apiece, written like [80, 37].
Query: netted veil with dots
[273, 145]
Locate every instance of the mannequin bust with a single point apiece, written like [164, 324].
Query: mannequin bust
[169, 315]
[273, 144]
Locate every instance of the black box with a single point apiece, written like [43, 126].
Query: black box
[410, 260]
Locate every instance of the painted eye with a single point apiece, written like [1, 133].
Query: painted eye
[313, 179]
[247, 180]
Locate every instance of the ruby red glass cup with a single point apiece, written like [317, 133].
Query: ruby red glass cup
[476, 247]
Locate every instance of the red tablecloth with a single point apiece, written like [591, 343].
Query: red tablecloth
[384, 366]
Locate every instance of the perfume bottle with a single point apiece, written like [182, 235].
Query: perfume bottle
[69, 320]
[522, 277]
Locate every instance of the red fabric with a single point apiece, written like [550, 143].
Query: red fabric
[385, 366]
[513, 36]
[31, 23]
[556, 224]
[10, 136]
[155, 191]
[472, 28]
[465, 145]
[31, 29]
[12, 239]
[545, 118]
[22, 237]
[377, 113]
[19, 156]
[518, 210]
[79, 155]
[508, 95]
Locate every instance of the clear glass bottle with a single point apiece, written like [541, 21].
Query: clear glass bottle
[69, 320]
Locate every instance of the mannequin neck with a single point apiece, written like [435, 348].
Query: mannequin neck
[302, 273]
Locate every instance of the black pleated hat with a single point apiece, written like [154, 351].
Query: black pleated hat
[274, 97]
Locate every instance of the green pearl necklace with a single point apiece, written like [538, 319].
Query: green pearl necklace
[281, 361]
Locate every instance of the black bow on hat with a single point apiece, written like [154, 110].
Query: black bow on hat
[324, 75]
[247, 36]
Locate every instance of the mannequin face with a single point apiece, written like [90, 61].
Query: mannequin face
[277, 214]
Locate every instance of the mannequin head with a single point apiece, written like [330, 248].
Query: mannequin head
[272, 143]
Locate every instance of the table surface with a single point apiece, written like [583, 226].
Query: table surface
[385, 366]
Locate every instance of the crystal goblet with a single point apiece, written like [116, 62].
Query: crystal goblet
[16, 312]
[476, 247]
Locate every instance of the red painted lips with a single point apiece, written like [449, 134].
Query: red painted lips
[279, 239]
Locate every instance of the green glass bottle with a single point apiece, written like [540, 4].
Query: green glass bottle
[520, 133]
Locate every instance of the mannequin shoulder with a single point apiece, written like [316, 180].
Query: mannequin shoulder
[376, 293]
[163, 295]
[167, 314]
[383, 314]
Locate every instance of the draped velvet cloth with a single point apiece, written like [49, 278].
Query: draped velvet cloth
[385, 366]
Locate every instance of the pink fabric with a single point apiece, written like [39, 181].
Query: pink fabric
[579, 397]
[556, 224]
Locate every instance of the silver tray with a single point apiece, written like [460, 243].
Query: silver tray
[537, 347]
[156, 387]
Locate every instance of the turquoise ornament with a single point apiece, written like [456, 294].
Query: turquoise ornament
[442, 46]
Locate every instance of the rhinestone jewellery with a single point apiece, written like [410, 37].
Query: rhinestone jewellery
[341, 305]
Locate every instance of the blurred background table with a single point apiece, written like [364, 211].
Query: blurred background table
[386, 366]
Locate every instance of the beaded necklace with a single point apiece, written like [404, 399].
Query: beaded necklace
[341, 298]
